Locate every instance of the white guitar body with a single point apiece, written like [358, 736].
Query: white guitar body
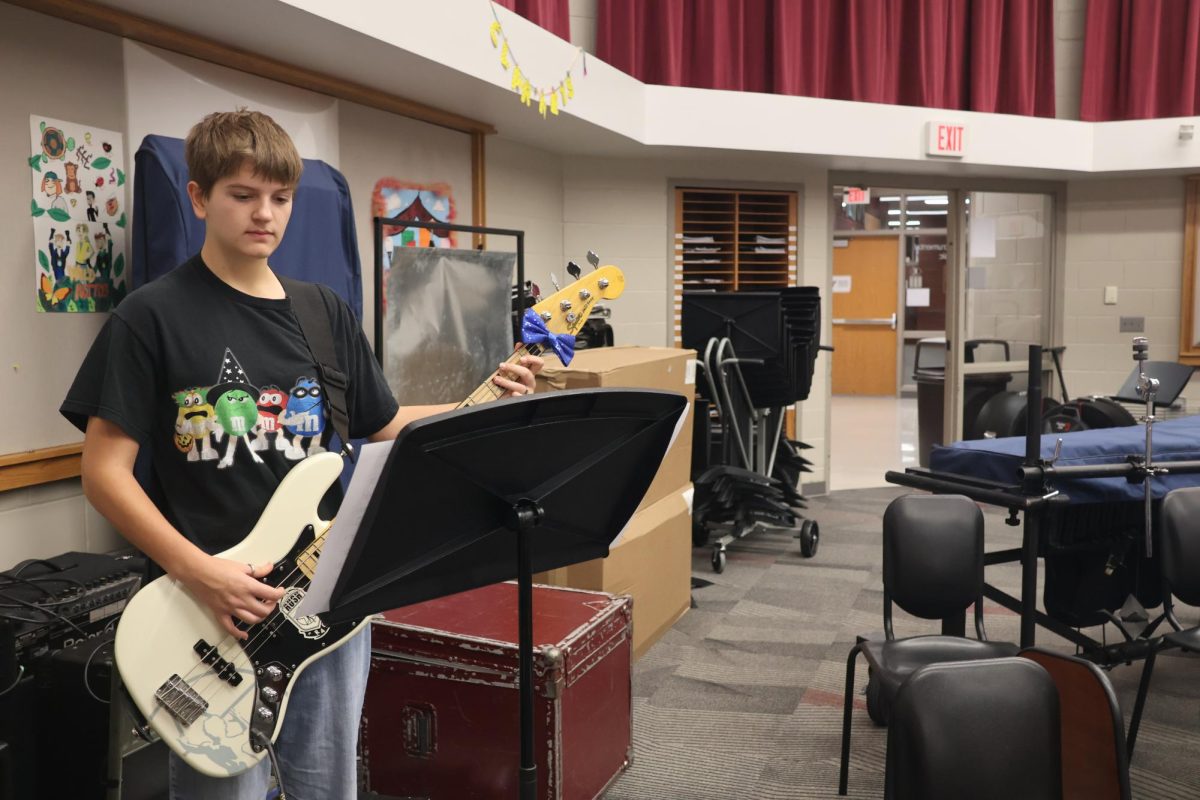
[207, 714]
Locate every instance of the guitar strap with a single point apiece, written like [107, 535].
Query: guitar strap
[313, 316]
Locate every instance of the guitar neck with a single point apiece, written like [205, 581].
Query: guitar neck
[488, 390]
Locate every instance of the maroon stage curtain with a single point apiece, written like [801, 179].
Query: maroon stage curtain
[1141, 59]
[977, 55]
[553, 15]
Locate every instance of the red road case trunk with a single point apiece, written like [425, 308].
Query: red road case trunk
[441, 719]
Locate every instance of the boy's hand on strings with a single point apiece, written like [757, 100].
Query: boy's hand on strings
[517, 379]
[232, 589]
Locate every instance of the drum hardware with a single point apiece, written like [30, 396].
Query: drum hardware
[1147, 388]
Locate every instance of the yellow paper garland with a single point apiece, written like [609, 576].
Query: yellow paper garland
[554, 97]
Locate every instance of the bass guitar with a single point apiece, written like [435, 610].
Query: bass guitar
[216, 700]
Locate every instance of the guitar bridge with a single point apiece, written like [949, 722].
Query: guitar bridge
[181, 700]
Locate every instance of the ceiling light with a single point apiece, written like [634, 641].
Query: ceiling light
[925, 213]
[912, 223]
[893, 211]
[931, 199]
[893, 223]
[890, 199]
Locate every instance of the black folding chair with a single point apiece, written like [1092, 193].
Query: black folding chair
[987, 730]
[1179, 554]
[933, 569]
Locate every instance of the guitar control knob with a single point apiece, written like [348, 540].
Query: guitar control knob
[274, 673]
[565, 305]
[603, 283]
[265, 714]
[270, 695]
[584, 294]
[546, 315]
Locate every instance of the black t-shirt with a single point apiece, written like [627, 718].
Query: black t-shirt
[220, 386]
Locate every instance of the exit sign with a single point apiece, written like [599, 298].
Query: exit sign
[856, 197]
[946, 139]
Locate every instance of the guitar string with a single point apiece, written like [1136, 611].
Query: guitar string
[254, 644]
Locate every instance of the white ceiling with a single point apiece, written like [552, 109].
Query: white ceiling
[276, 29]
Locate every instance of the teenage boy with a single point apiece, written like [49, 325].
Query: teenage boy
[177, 363]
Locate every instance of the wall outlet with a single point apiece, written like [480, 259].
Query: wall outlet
[1133, 324]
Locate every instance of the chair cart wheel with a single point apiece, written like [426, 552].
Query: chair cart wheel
[810, 538]
[718, 560]
[875, 702]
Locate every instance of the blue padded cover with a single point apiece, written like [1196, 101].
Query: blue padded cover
[999, 459]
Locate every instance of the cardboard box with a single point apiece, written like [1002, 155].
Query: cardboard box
[652, 563]
[667, 368]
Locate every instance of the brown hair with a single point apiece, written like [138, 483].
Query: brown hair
[218, 145]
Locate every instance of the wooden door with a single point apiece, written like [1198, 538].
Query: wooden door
[864, 318]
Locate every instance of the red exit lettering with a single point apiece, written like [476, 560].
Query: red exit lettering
[949, 138]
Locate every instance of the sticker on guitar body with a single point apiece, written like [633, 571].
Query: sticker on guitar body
[310, 627]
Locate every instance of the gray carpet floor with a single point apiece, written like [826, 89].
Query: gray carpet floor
[743, 697]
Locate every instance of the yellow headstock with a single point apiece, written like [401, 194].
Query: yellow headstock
[566, 310]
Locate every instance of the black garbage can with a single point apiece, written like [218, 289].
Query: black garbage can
[929, 372]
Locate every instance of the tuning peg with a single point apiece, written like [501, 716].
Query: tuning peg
[593, 259]
[573, 270]
[554, 281]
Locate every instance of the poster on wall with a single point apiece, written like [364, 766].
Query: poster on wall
[79, 217]
[417, 202]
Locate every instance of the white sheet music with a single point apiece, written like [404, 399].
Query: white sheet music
[371, 459]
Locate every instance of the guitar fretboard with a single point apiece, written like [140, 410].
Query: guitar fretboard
[306, 562]
[488, 390]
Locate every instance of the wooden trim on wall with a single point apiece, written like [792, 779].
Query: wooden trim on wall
[1189, 352]
[40, 466]
[478, 187]
[677, 273]
[129, 26]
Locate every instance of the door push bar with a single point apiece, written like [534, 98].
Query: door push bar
[889, 321]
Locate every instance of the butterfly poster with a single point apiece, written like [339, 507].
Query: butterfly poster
[77, 173]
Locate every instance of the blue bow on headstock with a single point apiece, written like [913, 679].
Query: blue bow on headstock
[534, 331]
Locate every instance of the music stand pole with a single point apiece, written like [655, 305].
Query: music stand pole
[526, 515]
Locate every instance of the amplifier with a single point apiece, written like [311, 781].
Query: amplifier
[83, 746]
[57, 602]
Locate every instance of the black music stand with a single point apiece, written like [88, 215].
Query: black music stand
[487, 493]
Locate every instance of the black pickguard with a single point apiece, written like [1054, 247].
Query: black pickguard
[282, 641]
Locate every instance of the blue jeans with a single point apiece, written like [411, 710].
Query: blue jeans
[318, 743]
